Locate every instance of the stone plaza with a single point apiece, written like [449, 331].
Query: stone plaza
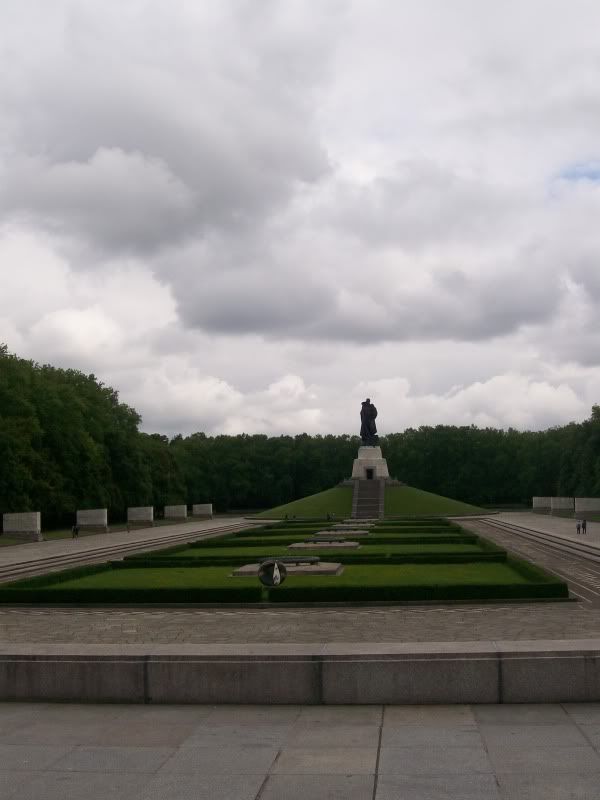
[508, 741]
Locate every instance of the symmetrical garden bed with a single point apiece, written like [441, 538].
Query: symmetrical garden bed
[400, 560]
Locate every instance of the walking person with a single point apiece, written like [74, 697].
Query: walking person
[75, 531]
[578, 526]
[584, 526]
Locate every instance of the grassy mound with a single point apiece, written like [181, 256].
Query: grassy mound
[408, 501]
[336, 501]
[399, 501]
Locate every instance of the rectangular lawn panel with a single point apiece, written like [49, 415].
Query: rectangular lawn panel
[424, 582]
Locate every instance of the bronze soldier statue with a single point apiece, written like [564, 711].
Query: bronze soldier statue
[368, 429]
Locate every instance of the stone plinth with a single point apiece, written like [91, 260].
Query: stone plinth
[322, 568]
[140, 515]
[327, 544]
[542, 505]
[26, 526]
[203, 510]
[562, 505]
[587, 505]
[96, 518]
[176, 512]
[342, 534]
[370, 464]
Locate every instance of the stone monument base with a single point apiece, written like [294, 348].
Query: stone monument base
[370, 464]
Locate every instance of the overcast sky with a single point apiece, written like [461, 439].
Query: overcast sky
[248, 215]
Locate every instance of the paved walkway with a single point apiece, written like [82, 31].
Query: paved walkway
[542, 752]
[558, 526]
[238, 626]
[35, 551]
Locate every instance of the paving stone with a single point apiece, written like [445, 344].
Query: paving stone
[320, 735]
[114, 759]
[140, 733]
[318, 787]
[230, 734]
[166, 715]
[540, 760]
[433, 761]
[525, 713]
[201, 787]
[326, 761]
[222, 760]
[344, 715]
[403, 624]
[254, 715]
[78, 785]
[31, 758]
[549, 786]
[503, 736]
[429, 736]
[583, 713]
[450, 787]
[442, 715]
[51, 731]
[12, 782]
[592, 734]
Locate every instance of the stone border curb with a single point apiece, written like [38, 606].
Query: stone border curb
[336, 673]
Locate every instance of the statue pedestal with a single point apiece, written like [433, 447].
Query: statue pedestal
[370, 464]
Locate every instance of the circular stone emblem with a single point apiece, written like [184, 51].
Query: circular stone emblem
[272, 573]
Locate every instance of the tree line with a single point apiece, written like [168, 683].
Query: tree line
[67, 442]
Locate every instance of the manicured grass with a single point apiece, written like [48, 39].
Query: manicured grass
[457, 581]
[406, 500]
[336, 501]
[262, 550]
[402, 561]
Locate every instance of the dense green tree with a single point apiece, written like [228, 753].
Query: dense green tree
[67, 442]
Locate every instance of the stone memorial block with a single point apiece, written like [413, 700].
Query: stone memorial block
[562, 505]
[370, 464]
[140, 515]
[542, 505]
[26, 526]
[587, 505]
[204, 510]
[176, 512]
[93, 518]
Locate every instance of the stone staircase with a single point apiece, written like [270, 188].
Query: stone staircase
[368, 498]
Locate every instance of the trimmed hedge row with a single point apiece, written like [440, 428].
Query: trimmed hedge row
[342, 558]
[436, 593]
[241, 594]
[224, 544]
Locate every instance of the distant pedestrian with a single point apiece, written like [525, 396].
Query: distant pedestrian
[75, 531]
[583, 526]
[578, 526]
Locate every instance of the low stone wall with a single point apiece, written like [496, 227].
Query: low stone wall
[403, 673]
[96, 518]
[562, 505]
[204, 510]
[140, 515]
[26, 526]
[175, 512]
[542, 505]
[587, 505]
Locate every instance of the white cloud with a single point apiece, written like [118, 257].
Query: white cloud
[246, 218]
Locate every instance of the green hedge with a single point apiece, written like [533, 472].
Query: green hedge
[342, 558]
[108, 596]
[448, 593]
